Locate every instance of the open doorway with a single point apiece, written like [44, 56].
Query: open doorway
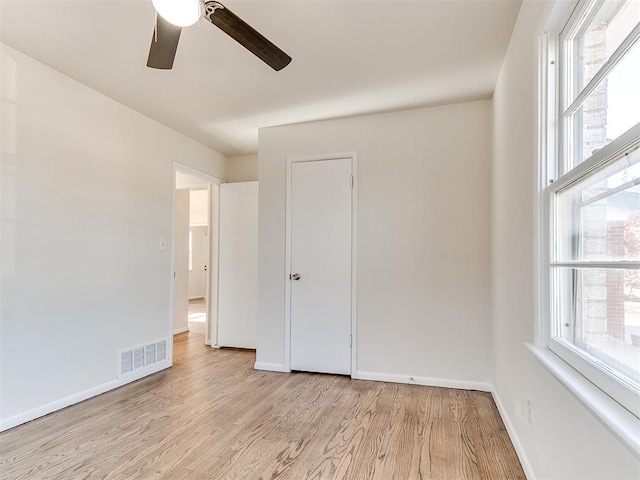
[199, 253]
[194, 291]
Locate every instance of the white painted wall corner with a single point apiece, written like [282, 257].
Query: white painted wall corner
[511, 431]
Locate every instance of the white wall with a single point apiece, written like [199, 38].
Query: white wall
[82, 272]
[566, 442]
[243, 168]
[423, 238]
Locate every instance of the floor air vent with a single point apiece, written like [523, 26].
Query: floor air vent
[161, 351]
[142, 356]
[126, 362]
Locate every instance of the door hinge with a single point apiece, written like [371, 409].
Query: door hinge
[351, 181]
[174, 274]
[350, 341]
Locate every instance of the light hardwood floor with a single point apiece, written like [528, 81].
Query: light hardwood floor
[212, 416]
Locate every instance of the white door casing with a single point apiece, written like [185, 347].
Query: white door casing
[320, 245]
[212, 214]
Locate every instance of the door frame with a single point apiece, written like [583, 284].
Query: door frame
[214, 219]
[354, 243]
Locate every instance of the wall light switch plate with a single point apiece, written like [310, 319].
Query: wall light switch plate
[163, 245]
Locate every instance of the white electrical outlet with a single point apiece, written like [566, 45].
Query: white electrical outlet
[530, 412]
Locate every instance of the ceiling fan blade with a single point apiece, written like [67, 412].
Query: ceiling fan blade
[246, 35]
[163, 44]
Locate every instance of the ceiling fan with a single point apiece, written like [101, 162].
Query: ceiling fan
[175, 14]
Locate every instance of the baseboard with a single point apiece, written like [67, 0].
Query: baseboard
[515, 441]
[426, 381]
[14, 421]
[272, 367]
[180, 330]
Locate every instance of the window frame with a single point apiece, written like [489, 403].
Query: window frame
[595, 371]
[554, 175]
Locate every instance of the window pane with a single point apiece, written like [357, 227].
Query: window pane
[601, 35]
[610, 110]
[598, 218]
[599, 314]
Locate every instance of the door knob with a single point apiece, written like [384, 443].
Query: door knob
[294, 276]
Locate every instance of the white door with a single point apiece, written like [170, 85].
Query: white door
[238, 265]
[198, 265]
[321, 266]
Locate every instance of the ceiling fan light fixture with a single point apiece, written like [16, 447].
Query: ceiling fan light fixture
[181, 13]
[175, 14]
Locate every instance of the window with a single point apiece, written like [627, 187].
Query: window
[594, 202]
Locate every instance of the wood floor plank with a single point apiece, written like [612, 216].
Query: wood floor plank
[212, 416]
[400, 458]
[319, 459]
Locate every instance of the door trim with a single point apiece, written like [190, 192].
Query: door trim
[354, 272]
[214, 264]
[212, 304]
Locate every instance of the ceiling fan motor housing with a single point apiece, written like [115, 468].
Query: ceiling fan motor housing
[210, 7]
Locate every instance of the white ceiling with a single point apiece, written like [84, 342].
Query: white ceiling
[350, 57]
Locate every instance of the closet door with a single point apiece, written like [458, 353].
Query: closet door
[321, 196]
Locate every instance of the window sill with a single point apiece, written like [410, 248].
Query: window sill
[618, 420]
